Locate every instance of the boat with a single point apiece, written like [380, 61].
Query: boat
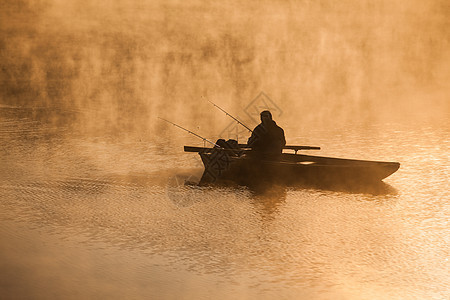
[241, 165]
[229, 161]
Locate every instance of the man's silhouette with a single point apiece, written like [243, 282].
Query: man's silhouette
[267, 137]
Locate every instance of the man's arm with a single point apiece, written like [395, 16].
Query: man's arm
[282, 139]
[253, 139]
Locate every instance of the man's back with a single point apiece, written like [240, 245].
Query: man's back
[267, 138]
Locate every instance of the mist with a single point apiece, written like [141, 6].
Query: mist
[115, 66]
[99, 200]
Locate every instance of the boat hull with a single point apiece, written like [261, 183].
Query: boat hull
[292, 169]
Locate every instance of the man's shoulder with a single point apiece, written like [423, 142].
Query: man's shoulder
[278, 127]
[258, 127]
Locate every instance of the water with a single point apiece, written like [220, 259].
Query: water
[85, 216]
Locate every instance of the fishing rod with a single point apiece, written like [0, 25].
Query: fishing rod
[231, 116]
[204, 139]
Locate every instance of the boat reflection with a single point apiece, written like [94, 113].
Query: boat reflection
[184, 189]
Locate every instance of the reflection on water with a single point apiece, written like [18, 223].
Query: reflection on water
[96, 217]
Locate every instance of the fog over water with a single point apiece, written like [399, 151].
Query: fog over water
[91, 204]
[117, 65]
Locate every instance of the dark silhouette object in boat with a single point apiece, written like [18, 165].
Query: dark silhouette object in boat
[267, 138]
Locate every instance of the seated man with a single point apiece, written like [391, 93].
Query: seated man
[267, 137]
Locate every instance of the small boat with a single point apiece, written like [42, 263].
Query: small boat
[242, 166]
[230, 161]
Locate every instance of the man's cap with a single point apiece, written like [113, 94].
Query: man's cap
[266, 112]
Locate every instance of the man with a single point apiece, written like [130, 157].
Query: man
[267, 137]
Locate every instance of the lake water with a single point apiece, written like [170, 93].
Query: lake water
[85, 216]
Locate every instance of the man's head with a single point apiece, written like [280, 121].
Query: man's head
[266, 117]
